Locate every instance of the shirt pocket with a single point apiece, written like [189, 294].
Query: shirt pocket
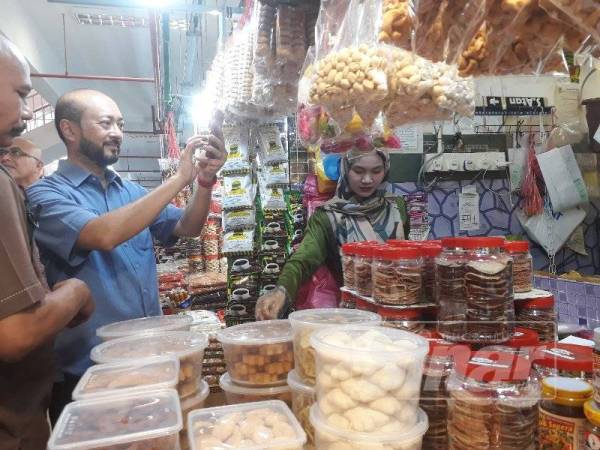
[142, 241]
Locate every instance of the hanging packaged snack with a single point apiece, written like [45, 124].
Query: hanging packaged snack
[243, 219]
[272, 252]
[271, 148]
[586, 13]
[238, 192]
[236, 144]
[291, 40]
[273, 199]
[238, 242]
[275, 175]
[244, 274]
[264, 43]
[398, 23]
[269, 275]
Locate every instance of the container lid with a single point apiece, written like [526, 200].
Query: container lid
[597, 335]
[566, 357]
[592, 412]
[523, 337]
[332, 316]
[116, 420]
[473, 242]
[369, 440]
[201, 423]
[403, 243]
[144, 325]
[404, 313]
[430, 334]
[257, 333]
[296, 384]
[140, 375]
[430, 250]
[566, 391]
[494, 366]
[178, 343]
[348, 248]
[229, 386]
[516, 246]
[195, 400]
[390, 252]
[364, 249]
[537, 302]
[443, 349]
[201, 316]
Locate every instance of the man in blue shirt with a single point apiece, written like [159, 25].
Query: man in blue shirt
[98, 227]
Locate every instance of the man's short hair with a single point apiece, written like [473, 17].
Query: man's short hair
[68, 107]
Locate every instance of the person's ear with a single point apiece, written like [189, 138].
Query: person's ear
[70, 130]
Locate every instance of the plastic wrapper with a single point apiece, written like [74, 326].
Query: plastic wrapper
[238, 72]
[398, 23]
[242, 219]
[586, 13]
[236, 144]
[275, 175]
[291, 39]
[238, 192]
[244, 274]
[271, 147]
[273, 198]
[238, 242]
[264, 43]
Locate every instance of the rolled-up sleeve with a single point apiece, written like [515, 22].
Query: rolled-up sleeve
[164, 225]
[60, 223]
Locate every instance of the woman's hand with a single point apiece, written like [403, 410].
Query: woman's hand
[272, 304]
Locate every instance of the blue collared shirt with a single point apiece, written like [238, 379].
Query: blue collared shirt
[123, 281]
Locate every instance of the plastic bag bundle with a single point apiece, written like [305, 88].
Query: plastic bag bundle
[586, 13]
[291, 38]
[264, 45]
[398, 23]
[238, 61]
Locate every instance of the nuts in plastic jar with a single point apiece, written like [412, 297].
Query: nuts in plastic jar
[397, 275]
[409, 319]
[537, 313]
[303, 397]
[522, 265]
[362, 269]
[348, 264]
[493, 402]
[561, 418]
[474, 290]
[591, 433]
[564, 360]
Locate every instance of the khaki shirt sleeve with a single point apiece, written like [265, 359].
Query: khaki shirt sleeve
[20, 286]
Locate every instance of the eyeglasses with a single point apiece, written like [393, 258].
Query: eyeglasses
[16, 152]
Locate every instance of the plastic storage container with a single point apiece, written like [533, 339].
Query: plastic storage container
[561, 409]
[564, 360]
[306, 322]
[397, 275]
[523, 343]
[303, 397]
[261, 425]
[363, 257]
[179, 322]
[161, 372]
[537, 313]
[191, 404]
[522, 265]
[429, 252]
[145, 421]
[493, 402]
[409, 319]
[348, 264]
[475, 290]
[260, 353]
[328, 437]
[187, 346]
[369, 378]
[244, 394]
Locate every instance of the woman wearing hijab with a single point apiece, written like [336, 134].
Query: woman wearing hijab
[361, 210]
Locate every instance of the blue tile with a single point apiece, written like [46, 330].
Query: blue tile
[562, 297]
[591, 313]
[580, 300]
[573, 310]
[589, 289]
[581, 312]
[591, 302]
[563, 308]
[552, 284]
[583, 321]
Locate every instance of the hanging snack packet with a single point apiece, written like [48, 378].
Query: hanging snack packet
[238, 192]
[242, 219]
[275, 175]
[271, 148]
[238, 242]
[236, 143]
[273, 198]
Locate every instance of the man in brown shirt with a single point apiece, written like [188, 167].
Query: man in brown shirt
[23, 159]
[31, 314]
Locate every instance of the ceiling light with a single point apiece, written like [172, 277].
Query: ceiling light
[156, 3]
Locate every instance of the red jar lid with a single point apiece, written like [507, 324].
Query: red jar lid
[523, 337]
[568, 357]
[494, 366]
[430, 250]
[430, 334]
[402, 243]
[390, 252]
[399, 314]
[440, 348]
[348, 248]
[542, 302]
[473, 242]
[516, 246]
[365, 305]
[365, 250]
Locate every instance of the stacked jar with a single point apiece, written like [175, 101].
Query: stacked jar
[564, 360]
[522, 265]
[408, 319]
[363, 257]
[429, 251]
[348, 254]
[396, 275]
[368, 387]
[493, 402]
[536, 311]
[474, 290]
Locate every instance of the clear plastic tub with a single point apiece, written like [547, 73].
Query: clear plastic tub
[258, 353]
[408, 319]
[306, 322]
[192, 403]
[397, 275]
[146, 421]
[564, 360]
[161, 372]
[261, 425]
[522, 265]
[187, 346]
[363, 257]
[369, 378]
[144, 325]
[328, 437]
[303, 397]
[537, 313]
[347, 252]
[243, 394]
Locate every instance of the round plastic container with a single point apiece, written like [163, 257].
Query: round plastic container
[372, 372]
[144, 325]
[397, 275]
[429, 251]
[329, 437]
[303, 397]
[192, 403]
[188, 347]
[258, 353]
[142, 375]
[591, 434]
[363, 256]
[564, 360]
[475, 290]
[408, 319]
[493, 401]
[307, 321]
[150, 420]
[522, 265]
[243, 394]
[268, 425]
[537, 313]
[347, 252]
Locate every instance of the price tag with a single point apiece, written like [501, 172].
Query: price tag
[468, 209]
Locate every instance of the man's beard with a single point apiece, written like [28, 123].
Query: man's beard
[95, 153]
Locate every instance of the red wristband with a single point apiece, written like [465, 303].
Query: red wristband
[208, 185]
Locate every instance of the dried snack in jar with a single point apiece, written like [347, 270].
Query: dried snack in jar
[564, 360]
[429, 252]
[408, 319]
[303, 397]
[368, 378]
[522, 265]
[347, 252]
[397, 275]
[265, 425]
[535, 310]
[258, 353]
[363, 278]
[244, 394]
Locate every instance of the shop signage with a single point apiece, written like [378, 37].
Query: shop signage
[496, 106]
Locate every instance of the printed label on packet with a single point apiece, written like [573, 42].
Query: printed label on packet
[591, 441]
[560, 432]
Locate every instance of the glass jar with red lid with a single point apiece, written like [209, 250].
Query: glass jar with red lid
[348, 300]
[564, 360]
[397, 275]
[347, 253]
[474, 290]
[364, 305]
[493, 402]
[429, 251]
[537, 313]
[363, 258]
[522, 265]
[524, 343]
[409, 319]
